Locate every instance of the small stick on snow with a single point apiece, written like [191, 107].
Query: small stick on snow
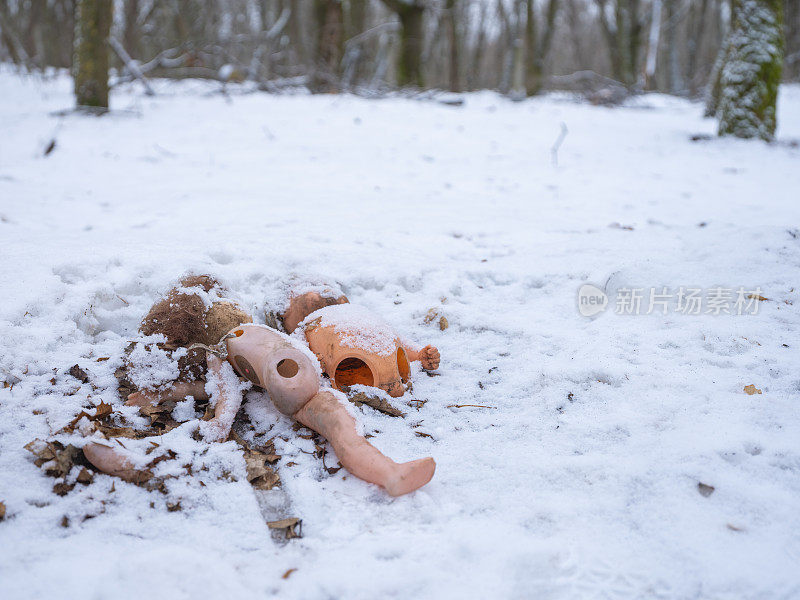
[471, 405]
[557, 145]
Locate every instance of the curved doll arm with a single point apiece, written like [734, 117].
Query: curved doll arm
[115, 460]
[225, 391]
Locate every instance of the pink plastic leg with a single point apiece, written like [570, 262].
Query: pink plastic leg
[177, 391]
[114, 461]
[326, 416]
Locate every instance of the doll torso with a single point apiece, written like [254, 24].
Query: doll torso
[354, 346]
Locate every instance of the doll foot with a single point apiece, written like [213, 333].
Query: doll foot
[410, 476]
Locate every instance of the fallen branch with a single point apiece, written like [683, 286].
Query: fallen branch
[130, 64]
[557, 144]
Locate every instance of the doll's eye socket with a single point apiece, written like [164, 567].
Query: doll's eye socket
[287, 368]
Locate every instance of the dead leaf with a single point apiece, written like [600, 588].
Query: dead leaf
[161, 416]
[79, 374]
[758, 297]
[62, 488]
[102, 359]
[129, 432]
[288, 572]
[443, 323]
[54, 457]
[101, 410]
[751, 389]
[260, 475]
[85, 476]
[423, 434]
[705, 489]
[293, 527]
[2, 511]
[376, 402]
[616, 225]
[734, 527]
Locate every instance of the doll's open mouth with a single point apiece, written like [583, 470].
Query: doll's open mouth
[353, 371]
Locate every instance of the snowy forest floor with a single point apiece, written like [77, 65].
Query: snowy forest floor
[581, 478]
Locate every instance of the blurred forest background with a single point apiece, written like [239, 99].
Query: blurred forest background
[605, 49]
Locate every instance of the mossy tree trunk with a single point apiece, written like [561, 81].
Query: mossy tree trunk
[537, 44]
[90, 61]
[329, 18]
[752, 71]
[454, 41]
[412, 31]
[624, 38]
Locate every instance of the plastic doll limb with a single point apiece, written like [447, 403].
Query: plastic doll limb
[176, 391]
[428, 356]
[228, 403]
[326, 416]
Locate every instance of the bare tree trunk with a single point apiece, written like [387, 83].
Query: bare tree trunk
[409, 66]
[506, 44]
[674, 81]
[518, 51]
[31, 38]
[330, 46]
[474, 67]
[792, 20]
[575, 21]
[697, 29]
[92, 24]
[131, 34]
[652, 46]
[11, 38]
[454, 41]
[537, 44]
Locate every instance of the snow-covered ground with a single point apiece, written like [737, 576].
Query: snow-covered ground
[580, 480]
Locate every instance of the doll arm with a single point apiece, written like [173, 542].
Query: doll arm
[428, 356]
[116, 460]
[228, 399]
[176, 391]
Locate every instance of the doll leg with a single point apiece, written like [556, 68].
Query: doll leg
[326, 416]
[114, 461]
[177, 391]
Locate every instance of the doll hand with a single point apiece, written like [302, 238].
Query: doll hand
[429, 357]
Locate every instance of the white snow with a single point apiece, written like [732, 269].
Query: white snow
[357, 327]
[580, 480]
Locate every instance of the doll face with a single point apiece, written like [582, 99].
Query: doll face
[358, 367]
